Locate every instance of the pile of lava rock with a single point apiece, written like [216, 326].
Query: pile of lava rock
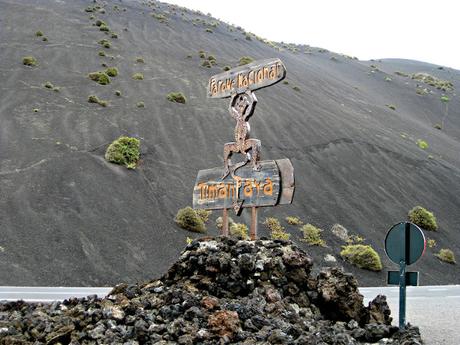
[221, 290]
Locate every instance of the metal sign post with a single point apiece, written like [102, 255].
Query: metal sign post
[251, 183]
[404, 244]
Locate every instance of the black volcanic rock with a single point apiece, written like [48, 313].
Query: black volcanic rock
[216, 294]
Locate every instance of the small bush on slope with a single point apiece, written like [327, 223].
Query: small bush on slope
[124, 151]
[423, 218]
[362, 256]
[187, 219]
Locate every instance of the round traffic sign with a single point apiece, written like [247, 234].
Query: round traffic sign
[405, 242]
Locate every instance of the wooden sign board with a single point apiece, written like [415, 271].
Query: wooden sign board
[253, 76]
[254, 188]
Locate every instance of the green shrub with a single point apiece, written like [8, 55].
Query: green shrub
[140, 104]
[177, 97]
[39, 34]
[100, 23]
[296, 88]
[422, 144]
[104, 28]
[209, 30]
[401, 74]
[29, 61]
[211, 58]
[206, 63]
[187, 219]
[140, 60]
[161, 17]
[101, 53]
[421, 91]
[285, 82]
[354, 239]
[446, 255]
[203, 214]
[111, 71]
[423, 218]
[388, 79]
[312, 235]
[44, 39]
[245, 60]
[117, 93]
[438, 126]
[202, 54]
[391, 106]
[276, 230]
[239, 230]
[36, 110]
[99, 77]
[95, 99]
[48, 85]
[138, 76]
[445, 98]
[431, 243]
[273, 224]
[279, 235]
[226, 68]
[444, 85]
[113, 35]
[362, 256]
[294, 221]
[105, 43]
[124, 151]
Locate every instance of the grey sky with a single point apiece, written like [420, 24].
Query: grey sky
[419, 30]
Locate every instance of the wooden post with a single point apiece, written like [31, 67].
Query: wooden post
[253, 231]
[224, 231]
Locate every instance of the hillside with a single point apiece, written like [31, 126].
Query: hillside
[68, 217]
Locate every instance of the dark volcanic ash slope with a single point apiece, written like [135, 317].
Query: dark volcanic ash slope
[67, 217]
[216, 293]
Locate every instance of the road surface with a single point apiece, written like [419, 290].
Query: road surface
[435, 309]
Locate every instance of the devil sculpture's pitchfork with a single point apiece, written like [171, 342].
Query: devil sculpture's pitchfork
[241, 108]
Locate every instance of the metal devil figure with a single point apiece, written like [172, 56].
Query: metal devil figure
[250, 183]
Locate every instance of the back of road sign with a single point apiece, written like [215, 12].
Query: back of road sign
[405, 241]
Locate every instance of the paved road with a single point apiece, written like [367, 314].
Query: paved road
[435, 309]
[48, 294]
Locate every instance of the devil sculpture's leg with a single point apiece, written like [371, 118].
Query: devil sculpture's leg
[254, 145]
[229, 148]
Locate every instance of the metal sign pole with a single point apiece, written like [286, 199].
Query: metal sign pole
[402, 294]
[404, 245]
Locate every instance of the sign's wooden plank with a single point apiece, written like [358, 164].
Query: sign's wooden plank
[287, 181]
[253, 76]
[255, 189]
